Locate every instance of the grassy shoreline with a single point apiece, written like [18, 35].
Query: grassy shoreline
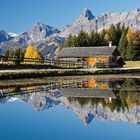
[10, 83]
[17, 74]
[40, 71]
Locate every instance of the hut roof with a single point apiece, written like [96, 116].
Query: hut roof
[1, 52]
[85, 92]
[120, 60]
[75, 52]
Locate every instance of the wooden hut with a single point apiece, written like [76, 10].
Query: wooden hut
[101, 56]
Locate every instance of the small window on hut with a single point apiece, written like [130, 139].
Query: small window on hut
[97, 58]
[98, 85]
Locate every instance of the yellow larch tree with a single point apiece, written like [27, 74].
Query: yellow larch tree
[107, 38]
[29, 51]
[32, 55]
[130, 36]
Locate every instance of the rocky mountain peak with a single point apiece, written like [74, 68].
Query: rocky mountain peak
[12, 34]
[40, 31]
[40, 28]
[85, 17]
[136, 10]
[87, 14]
[4, 36]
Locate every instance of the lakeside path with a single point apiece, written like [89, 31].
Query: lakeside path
[90, 69]
[35, 73]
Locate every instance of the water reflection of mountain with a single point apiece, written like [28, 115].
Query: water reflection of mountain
[106, 99]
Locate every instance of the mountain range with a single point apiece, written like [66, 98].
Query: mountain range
[48, 39]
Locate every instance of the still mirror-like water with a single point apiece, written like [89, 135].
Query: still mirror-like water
[71, 109]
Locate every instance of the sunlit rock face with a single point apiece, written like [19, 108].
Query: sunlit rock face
[44, 37]
[40, 32]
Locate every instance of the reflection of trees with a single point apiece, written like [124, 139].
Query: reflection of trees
[129, 98]
[9, 91]
[82, 101]
[126, 92]
[125, 99]
[15, 89]
[129, 94]
[128, 83]
[115, 104]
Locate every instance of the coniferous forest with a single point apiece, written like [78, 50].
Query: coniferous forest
[127, 40]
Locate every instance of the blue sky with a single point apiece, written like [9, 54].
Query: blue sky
[19, 15]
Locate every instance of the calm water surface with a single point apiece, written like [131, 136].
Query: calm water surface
[72, 109]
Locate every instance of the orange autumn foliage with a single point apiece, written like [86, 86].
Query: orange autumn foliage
[32, 55]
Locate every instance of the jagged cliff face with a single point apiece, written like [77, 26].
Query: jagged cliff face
[4, 36]
[45, 37]
[40, 32]
[87, 22]
[81, 23]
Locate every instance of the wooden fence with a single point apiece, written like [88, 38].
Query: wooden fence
[51, 62]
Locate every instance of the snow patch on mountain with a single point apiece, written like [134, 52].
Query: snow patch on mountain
[12, 34]
[4, 36]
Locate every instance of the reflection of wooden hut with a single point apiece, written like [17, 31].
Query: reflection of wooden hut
[94, 56]
[91, 84]
[95, 84]
[85, 92]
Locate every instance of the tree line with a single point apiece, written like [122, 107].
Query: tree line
[127, 40]
[19, 55]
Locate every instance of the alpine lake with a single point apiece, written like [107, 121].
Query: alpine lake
[71, 108]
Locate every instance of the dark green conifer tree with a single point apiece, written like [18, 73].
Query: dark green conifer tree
[94, 39]
[82, 39]
[112, 34]
[123, 44]
[130, 53]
